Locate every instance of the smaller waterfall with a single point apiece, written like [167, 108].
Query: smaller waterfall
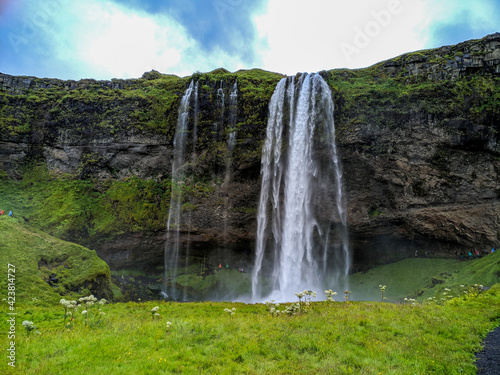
[233, 132]
[172, 245]
[196, 112]
[221, 106]
[231, 143]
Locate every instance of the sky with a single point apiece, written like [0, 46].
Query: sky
[105, 39]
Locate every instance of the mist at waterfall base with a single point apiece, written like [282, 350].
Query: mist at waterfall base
[302, 237]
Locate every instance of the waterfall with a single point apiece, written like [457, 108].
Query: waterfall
[196, 111]
[221, 107]
[302, 240]
[172, 245]
[231, 138]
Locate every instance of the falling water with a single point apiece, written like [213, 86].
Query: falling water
[196, 111]
[221, 107]
[172, 245]
[231, 138]
[302, 240]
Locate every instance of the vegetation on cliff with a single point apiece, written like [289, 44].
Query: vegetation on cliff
[47, 268]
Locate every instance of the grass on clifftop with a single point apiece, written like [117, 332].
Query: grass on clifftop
[203, 338]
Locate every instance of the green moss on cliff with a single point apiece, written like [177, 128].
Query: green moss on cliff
[81, 209]
[369, 96]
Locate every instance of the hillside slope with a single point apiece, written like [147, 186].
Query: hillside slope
[47, 268]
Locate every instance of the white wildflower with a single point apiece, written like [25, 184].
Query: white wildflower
[29, 325]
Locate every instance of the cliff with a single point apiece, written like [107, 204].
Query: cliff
[418, 136]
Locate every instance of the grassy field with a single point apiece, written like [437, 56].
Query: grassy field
[436, 336]
[423, 278]
[203, 338]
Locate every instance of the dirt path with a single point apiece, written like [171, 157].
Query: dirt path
[488, 359]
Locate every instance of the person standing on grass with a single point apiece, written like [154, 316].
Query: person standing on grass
[1, 212]
[11, 214]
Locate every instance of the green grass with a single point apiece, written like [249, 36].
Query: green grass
[422, 278]
[335, 338]
[36, 255]
[330, 338]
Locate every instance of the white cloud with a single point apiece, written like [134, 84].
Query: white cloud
[327, 34]
[105, 40]
[102, 39]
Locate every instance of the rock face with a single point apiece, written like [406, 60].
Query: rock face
[426, 189]
[419, 137]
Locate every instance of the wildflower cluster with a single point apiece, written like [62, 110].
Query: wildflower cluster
[154, 313]
[68, 306]
[272, 308]
[446, 295]
[292, 309]
[472, 290]
[230, 311]
[382, 289]
[90, 302]
[167, 327]
[87, 303]
[30, 326]
[329, 295]
[410, 300]
[305, 299]
[346, 295]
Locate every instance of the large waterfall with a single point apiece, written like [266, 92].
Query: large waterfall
[302, 240]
